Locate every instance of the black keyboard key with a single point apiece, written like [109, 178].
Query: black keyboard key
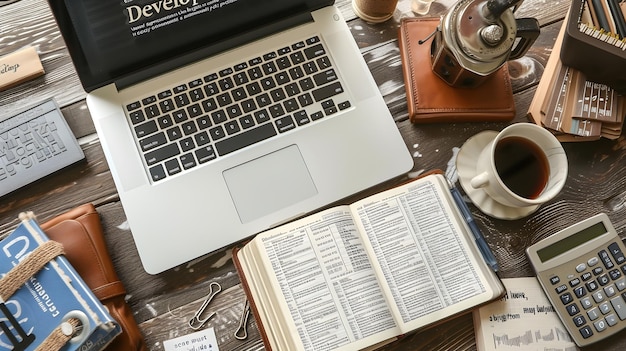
[268, 83]
[194, 110]
[174, 133]
[226, 71]
[211, 89]
[211, 77]
[325, 77]
[187, 161]
[224, 99]
[283, 63]
[217, 132]
[328, 91]
[263, 100]
[179, 89]
[219, 117]
[344, 105]
[255, 61]
[297, 58]
[296, 73]
[310, 67]
[152, 111]
[209, 105]
[195, 83]
[290, 105]
[133, 106]
[284, 51]
[305, 99]
[282, 78]
[137, 117]
[161, 154]
[313, 40]
[180, 116]
[146, 129]
[196, 95]
[269, 56]
[164, 94]
[165, 122]
[166, 105]
[226, 84]
[157, 173]
[204, 122]
[253, 88]
[246, 121]
[247, 138]
[234, 111]
[240, 66]
[202, 138]
[284, 124]
[240, 78]
[153, 141]
[306, 84]
[316, 115]
[232, 127]
[189, 128]
[187, 144]
[314, 51]
[255, 73]
[299, 45]
[323, 62]
[149, 100]
[301, 117]
[205, 154]
[269, 68]
[239, 94]
[261, 116]
[248, 106]
[292, 89]
[276, 110]
[172, 166]
[278, 94]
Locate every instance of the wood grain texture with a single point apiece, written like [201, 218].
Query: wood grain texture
[164, 303]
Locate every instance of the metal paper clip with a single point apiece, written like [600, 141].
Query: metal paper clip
[242, 330]
[196, 322]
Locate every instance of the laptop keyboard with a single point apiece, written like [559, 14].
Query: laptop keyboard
[211, 116]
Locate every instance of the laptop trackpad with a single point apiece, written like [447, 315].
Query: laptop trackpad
[269, 183]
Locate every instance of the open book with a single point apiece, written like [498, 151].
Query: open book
[357, 276]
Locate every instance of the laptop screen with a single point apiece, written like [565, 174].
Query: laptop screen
[112, 39]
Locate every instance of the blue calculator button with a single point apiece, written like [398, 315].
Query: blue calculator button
[566, 298]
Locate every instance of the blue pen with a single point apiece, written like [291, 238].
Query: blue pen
[478, 236]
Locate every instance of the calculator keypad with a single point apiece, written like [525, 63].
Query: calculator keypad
[595, 296]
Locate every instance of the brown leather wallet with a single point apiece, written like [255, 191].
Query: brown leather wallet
[80, 232]
[430, 99]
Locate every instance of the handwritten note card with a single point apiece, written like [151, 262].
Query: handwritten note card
[203, 340]
[523, 319]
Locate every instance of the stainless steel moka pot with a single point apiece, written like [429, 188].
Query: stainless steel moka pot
[476, 37]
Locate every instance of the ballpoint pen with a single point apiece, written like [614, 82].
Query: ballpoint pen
[478, 236]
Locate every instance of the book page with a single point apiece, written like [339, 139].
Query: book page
[324, 281]
[424, 258]
[523, 319]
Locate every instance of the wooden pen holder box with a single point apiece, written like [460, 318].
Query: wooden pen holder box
[601, 56]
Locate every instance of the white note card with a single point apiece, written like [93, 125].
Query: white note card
[523, 319]
[203, 340]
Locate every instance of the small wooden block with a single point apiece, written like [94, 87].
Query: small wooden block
[18, 67]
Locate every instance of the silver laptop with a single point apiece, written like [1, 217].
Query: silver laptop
[222, 118]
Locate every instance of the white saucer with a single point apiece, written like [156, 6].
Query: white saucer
[466, 169]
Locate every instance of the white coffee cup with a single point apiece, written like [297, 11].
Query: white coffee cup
[525, 165]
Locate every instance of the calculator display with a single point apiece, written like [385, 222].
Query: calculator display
[571, 242]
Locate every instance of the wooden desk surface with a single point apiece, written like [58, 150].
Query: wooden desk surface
[164, 303]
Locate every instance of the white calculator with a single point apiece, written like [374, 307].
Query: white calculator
[582, 270]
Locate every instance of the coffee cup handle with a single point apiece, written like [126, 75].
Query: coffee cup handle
[480, 180]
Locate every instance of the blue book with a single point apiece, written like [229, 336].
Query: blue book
[48, 298]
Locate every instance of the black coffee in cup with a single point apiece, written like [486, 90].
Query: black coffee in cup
[522, 166]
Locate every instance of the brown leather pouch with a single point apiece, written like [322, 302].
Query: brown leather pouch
[430, 99]
[80, 232]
